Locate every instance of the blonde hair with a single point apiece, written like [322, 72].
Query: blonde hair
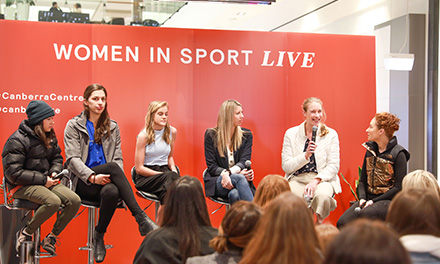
[270, 187]
[149, 122]
[421, 179]
[225, 123]
[305, 106]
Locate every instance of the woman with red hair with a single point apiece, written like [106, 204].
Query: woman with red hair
[382, 172]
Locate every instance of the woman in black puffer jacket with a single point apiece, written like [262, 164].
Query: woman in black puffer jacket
[31, 157]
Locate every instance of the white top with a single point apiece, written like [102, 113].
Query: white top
[326, 154]
[157, 152]
[422, 244]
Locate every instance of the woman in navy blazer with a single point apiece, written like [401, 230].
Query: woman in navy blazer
[227, 148]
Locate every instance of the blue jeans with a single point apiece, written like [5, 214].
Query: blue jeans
[241, 190]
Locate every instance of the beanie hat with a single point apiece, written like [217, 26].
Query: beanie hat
[37, 111]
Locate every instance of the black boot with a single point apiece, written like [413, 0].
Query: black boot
[145, 223]
[98, 242]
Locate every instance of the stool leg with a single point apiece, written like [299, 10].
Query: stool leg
[37, 246]
[156, 208]
[90, 229]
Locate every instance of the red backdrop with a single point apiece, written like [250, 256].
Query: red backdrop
[256, 68]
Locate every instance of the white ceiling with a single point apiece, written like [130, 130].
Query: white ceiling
[319, 16]
[199, 14]
[213, 15]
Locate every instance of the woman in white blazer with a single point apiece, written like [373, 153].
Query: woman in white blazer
[312, 167]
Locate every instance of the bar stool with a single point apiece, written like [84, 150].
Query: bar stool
[91, 222]
[29, 207]
[217, 199]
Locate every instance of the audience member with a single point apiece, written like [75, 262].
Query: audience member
[235, 232]
[185, 226]
[270, 187]
[326, 233]
[366, 241]
[285, 234]
[415, 215]
[421, 179]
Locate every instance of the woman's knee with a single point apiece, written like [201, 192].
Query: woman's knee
[238, 178]
[233, 195]
[110, 191]
[53, 202]
[75, 200]
[113, 167]
[322, 196]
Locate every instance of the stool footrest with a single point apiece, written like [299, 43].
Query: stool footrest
[46, 255]
[89, 248]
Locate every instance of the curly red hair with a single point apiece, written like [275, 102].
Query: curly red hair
[387, 121]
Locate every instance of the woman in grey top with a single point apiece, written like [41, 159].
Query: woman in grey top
[155, 169]
[93, 154]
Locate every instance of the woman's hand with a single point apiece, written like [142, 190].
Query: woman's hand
[310, 149]
[101, 179]
[361, 202]
[249, 174]
[226, 181]
[370, 202]
[51, 182]
[311, 187]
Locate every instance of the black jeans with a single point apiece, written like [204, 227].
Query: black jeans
[109, 195]
[378, 210]
[156, 184]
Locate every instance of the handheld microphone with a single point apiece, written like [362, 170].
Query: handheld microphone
[248, 164]
[61, 174]
[359, 208]
[314, 130]
[308, 200]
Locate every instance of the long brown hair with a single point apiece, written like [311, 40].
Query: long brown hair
[103, 125]
[365, 241]
[149, 122]
[285, 234]
[45, 137]
[185, 210]
[270, 187]
[415, 211]
[237, 227]
[225, 122]
[323, 130]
